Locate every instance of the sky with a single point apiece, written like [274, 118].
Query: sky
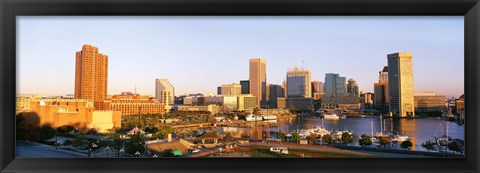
[198, 53]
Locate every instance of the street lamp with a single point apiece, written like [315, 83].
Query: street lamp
[56, 144]
[107, 148]
[93, 146]
[137, 154]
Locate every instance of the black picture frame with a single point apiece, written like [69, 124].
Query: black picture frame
[9, 9]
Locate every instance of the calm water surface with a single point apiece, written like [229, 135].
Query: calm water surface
[419, 130]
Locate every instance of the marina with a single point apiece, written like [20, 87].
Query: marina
[417, 131]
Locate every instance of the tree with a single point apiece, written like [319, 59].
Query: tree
[46, 132]
[384, 141]
[281, 135]
[21, 127]
[228, 137]
[163, 131]
[428, 146]
[455, 146]
[312, 138]
[78, 142]
[406, 144]
[151, 129]
[65, 129]
[295, 137]
[195, 133]
[327, 138]
[346, 138]
[67, 142]
[135, 144]
[33, 133]
[92, 131]
[365, 140]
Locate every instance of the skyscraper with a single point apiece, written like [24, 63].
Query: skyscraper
[164, 91]
[299, 89]
[219, 90]
[352, 88]
[383, 75]
[317, 87]
[245, 86]
[335, 86]
[381, 98]
[276, 91]
[400, 84]
[258, 79]
[91, 74]
[298, 83]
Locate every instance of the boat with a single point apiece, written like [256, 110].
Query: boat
[444, 140]
[363, 116]
[317, 130]
[400, 138]
[269, 117]
[252, 117]
[344, 116]
[330, 116]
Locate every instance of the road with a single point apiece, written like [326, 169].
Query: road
[37, 150]
[338, 150]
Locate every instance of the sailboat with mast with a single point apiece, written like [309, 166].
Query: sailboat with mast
[443, 141]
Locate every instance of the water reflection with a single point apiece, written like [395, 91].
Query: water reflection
[419, 130]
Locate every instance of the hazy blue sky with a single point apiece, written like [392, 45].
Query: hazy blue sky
[197, 54]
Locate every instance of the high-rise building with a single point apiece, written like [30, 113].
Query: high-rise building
[298, 83]
[219, 90]
[367, 99]
[91, 74]
[317, 87]
[400, 84]
[335, 86]
[258, 79]
[383, 75]
[299, 89]
[352, 88]
[460, 104]
[381, 98]
[275, 92]
[164, 91]
[231, 89]
[245, 86]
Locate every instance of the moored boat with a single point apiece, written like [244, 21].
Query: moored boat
[269, 117]
[252, 117]
[330, 116]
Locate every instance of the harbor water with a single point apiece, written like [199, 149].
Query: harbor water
[419, 130]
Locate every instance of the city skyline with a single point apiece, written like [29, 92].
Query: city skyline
[188, 76]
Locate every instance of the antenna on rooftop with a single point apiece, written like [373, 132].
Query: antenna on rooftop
[135, 87]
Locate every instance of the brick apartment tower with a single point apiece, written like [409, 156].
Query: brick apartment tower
[91, 74]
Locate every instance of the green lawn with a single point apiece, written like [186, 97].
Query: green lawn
[264, 151]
